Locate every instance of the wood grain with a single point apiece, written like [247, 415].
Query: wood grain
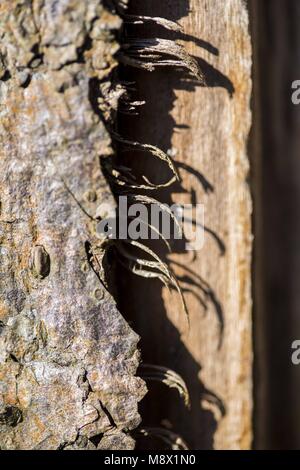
[206, 129]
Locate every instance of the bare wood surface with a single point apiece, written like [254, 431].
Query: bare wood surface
[206, 129]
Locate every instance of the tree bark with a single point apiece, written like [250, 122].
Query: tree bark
[68, 357]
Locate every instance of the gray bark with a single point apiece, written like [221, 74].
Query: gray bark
[68, 357]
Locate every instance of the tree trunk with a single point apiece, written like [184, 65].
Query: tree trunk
[68, 357]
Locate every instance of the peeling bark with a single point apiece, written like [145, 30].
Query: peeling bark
[68, 357]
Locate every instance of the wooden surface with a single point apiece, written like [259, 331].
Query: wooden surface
[206, 129]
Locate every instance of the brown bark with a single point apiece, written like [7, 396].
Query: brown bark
[68, 357]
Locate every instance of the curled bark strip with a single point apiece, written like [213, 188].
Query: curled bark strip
[156, 52]
[154, 229]
[163, 272]
[139, 19]
[136, 269]
[123, 176]
[167, 376]
[150, 200]
[174, 441]
[154, 151]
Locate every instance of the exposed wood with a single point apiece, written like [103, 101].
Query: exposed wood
[206, 129]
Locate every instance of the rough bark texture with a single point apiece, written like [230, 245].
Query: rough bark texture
[206, 129]
[68, 357]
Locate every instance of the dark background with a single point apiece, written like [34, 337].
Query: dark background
[275, 153]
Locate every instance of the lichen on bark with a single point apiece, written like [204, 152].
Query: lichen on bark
[67, 357]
